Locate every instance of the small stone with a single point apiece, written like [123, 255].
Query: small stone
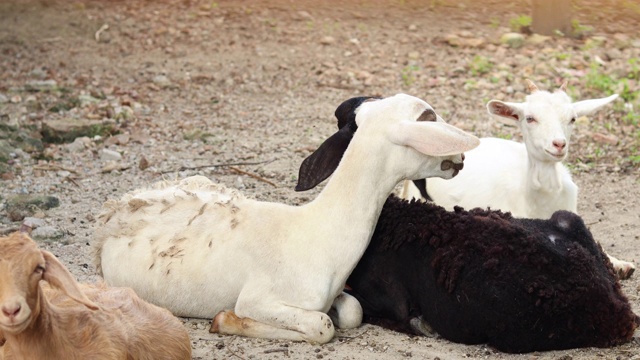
[3, 99]
[327, 40]
[32, 222]
[110, 155]
[41, 85]
[21, 206]
[537, 39]
[513, 40]
[144, 163]
[46, 232]
[162, 81]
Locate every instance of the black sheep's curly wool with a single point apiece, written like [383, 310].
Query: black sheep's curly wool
[483, 276]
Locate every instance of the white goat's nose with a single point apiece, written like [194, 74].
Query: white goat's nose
[559, 143]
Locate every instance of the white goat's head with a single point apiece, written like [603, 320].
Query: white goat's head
[420, 144]
[22, 266]
[546, 119]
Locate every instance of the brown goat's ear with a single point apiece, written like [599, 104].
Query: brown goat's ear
[324, 161]
[59, 277]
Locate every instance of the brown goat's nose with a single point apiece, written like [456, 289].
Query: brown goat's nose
[11, 311]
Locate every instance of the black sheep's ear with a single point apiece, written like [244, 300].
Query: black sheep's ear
[422, 186]
[324, 161]
[346, 112]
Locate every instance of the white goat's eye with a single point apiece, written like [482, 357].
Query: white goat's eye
[530, 119]
[572, 120]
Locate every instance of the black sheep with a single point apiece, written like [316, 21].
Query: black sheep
[483, 276]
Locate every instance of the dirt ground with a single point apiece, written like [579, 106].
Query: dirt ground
[194, 87]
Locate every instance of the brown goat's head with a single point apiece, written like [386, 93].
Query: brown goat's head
[22, 266]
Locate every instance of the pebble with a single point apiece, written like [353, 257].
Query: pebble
[33, 222]
[3, 99]
[46, 232]
[110, 155]
[513, 40]
[162, 80]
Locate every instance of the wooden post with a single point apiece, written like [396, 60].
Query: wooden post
[551, 15]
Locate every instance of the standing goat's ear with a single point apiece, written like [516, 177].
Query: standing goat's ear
[59, 277]
[586, 107]
[509, 110]
[324, 161]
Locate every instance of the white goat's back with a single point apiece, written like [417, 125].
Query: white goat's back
[495, 175]
[179, 235]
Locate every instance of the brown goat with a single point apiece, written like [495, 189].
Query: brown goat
[68, 320]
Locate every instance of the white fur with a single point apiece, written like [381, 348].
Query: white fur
[200, 249]
[527, 179]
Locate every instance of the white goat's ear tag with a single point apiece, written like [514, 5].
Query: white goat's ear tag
[586, 107]
[433, 138]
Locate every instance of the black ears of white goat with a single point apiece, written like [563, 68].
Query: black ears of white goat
[318, 166]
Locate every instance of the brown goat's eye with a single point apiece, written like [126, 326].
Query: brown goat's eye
[530, 119]
[39, 269]
[428, 115]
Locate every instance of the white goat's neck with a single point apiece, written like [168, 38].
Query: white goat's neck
[351, 202]
[544, 177]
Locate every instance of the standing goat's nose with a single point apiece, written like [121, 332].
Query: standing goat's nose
[559, 144]
[11, 311]
[462, 156]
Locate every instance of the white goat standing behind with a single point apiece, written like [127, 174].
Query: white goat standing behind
[527, 179]
[200, 249]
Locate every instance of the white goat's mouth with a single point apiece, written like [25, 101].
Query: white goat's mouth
[558, 156]
[448, 164]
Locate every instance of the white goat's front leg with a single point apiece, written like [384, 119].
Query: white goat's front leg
[624, 269]
[346, 312]
[286, 322]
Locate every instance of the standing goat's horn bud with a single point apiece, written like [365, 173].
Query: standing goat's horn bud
[531, 86]
[563, 87]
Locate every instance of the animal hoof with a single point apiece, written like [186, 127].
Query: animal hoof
[626, 272]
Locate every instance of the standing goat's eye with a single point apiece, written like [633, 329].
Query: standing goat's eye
[39, 269]
[428, 115]
[572, 120]
[530, 119]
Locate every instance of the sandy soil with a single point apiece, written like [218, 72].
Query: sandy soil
[194, 86]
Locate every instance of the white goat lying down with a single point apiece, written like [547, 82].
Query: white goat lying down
[67, 320]
[267, 269]
[527, 179]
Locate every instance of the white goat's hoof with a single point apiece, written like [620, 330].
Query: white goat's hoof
[625, 270]
[421, 326]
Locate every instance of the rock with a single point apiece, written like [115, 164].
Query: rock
[21, 206]
[3, 99]
[144, 163]
[455, 40]
[68, 129]
[47, 232]
[537, 39]
[85, 100]
[110, 155]
[41, 85]
[327, 40]
[513, 40]
[78, 145]
[32, 222]
[162, 81]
